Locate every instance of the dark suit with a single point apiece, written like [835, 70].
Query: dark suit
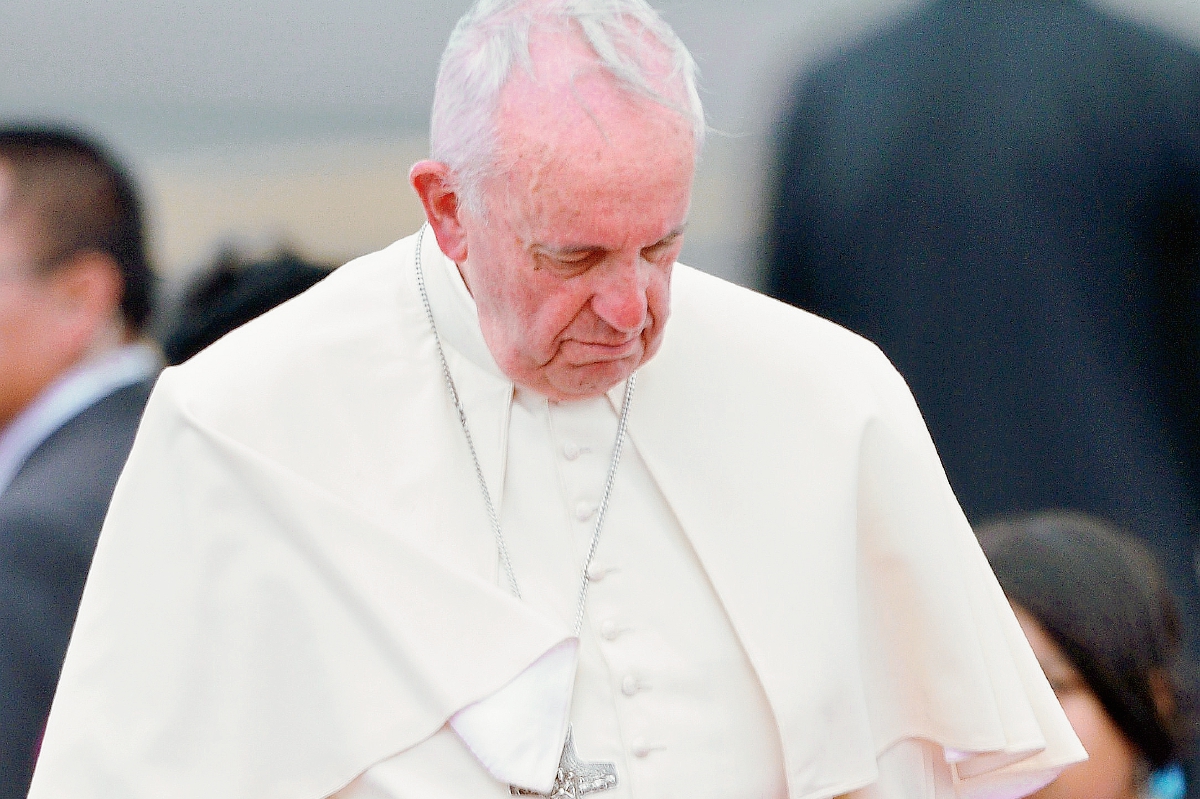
[50, 517]
[1005, 196]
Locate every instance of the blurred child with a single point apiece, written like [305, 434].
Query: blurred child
[1093, 604]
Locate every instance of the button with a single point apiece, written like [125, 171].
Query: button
[630, 685]
[609, 630]
[640, 747]
[571, 450]
[584, 511]
[598, 573]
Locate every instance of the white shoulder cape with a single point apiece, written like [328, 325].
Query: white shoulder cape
[296, 579]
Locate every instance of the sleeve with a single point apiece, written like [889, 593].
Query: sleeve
[957, 700]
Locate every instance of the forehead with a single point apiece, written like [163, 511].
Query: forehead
[574, 143]
[1051, 658]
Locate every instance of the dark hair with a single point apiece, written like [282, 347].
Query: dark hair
[1100, 596]
[231, 293]
[81, 200]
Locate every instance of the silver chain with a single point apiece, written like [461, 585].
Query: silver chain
[501, 548]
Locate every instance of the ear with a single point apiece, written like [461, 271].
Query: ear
[432, 182]
[87, 296]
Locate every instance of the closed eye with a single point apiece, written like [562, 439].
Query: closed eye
[567, 262]
[577, 257]
[655, 252]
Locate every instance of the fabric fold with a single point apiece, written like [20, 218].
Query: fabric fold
[518, 732]
[882, 623]
[270, 660]
[298, 580]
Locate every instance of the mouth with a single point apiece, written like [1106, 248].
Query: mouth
[583, 353]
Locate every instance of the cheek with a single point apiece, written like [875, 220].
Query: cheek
[1109, 770]
[560, 314]
[658, 297]
[538, 313]
[21, 319]
[502, 299]
[30, 353]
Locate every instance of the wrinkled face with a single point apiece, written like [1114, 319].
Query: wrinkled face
[1110, 772]
[570, 266]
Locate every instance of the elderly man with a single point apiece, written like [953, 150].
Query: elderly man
[472, 519]
[74, 287]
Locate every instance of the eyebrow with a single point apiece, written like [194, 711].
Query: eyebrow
[560, 252]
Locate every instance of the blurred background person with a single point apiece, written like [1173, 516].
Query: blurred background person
[75, 292]
[231, 293]
[1005, 196]
[1104, 627]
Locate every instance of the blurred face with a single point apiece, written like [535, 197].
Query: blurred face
[571, 266]
[1110, 772]
[28, 359]
[48, 318]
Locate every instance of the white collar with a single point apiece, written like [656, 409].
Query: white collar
[454, 309]
[65, 398]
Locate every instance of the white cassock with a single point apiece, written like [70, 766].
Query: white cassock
[297, 594]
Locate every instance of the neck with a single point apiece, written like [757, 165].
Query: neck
[110, 336]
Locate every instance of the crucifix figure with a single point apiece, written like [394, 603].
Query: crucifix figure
[575, 778]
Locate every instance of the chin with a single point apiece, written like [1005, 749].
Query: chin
[591, 380]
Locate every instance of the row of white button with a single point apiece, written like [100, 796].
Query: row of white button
[631, 684]
[583, 509]
[609, 630]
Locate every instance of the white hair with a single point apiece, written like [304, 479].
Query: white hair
[493, 38]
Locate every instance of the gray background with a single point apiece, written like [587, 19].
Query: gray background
[268, 121]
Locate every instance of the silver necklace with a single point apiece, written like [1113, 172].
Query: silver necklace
[574, 778]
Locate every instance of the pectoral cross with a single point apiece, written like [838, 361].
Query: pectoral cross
[575, 778]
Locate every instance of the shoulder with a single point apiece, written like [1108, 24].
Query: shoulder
[731, 321]
[334, 309]
[321, 386]
[85, 454]
[114, 416]
[309, 349]
[57, 501]
[728, 344]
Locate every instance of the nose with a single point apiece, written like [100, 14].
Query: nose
[620, 297]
